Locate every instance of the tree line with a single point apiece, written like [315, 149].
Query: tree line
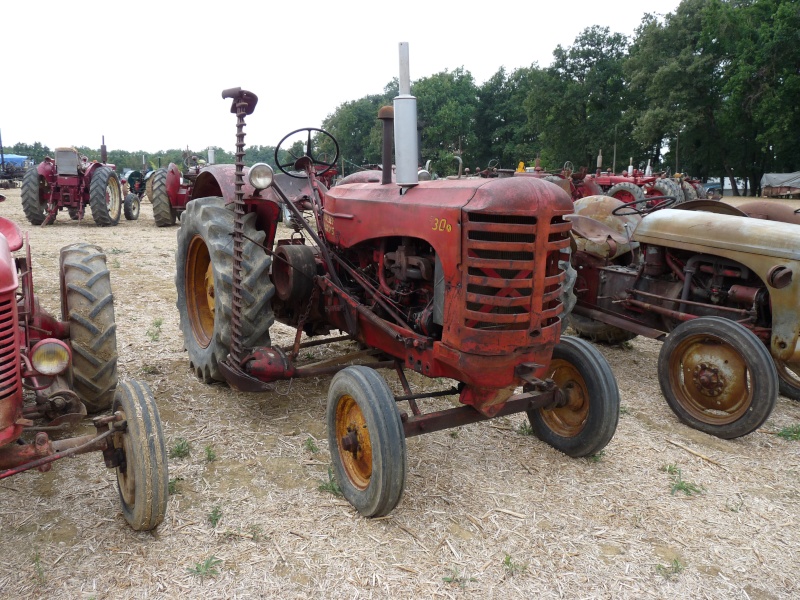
[710, 90]
[144, 161]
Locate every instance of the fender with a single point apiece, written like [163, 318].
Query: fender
[769, 210]
[215, 180]
[46, 168]
[173, 180]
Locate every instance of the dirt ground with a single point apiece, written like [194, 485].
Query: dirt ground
[488, 512]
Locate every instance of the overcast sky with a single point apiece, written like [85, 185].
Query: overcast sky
[149, 75]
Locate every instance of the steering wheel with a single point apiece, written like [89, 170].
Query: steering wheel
[660, 202]
[494, 163]
[318, 160]
[568, 169]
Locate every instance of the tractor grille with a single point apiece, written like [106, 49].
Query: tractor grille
[10, 382]
[513, 280]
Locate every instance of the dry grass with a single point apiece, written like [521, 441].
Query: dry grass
[475, 505]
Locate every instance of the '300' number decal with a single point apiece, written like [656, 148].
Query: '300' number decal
[441, 225]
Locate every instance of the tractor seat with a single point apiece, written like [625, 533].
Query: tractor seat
[12, 233]
[613, 242]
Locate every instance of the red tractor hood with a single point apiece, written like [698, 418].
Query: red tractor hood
[431, 210]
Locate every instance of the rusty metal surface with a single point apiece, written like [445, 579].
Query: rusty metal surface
[770, 210]
[712, 206]
[590, 239]
[464, 415]
[704, 231]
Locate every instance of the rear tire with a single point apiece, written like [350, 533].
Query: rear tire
[143, 478]
[788, 379]
[668, 187]
[717, 377]
[626, 192]
[587, 421]
[163, 214]
[131, 207]
[89, 308]
[105, 197]
[34, 208]
[689, 192]
[597, 331]
[700, 191]
[204, 282]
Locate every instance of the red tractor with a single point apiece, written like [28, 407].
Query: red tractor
[457, 279]
[576, 183]
[56, 370]
[637, 186]
[72, 182]
[170, 189]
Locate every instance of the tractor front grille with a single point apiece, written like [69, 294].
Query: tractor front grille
[10, 378]
[512, 276]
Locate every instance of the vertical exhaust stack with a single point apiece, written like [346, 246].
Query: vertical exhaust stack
[103, 152]
[405, 126]
[211, 155]
[386, 114]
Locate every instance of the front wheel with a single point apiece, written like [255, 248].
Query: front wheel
[105, 197]
[204, 282]
[587, 418]
[131, 207]
[89, 308]
[717, 377]
[366, 441]
[142, 476]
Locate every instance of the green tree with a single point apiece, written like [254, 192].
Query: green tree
[356, 128]
[760, 40]
[446, 112]
[35, 151]
[578, 101]
[505, 134]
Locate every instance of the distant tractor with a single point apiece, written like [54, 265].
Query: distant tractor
[71, 181]
[171, 189]
[137, 182]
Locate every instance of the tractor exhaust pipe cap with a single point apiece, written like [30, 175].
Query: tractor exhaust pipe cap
[405, 126]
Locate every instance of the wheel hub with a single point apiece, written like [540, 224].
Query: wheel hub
[355, 445]
[350, 442]
[708, 379]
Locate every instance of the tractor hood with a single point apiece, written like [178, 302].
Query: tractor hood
[431, 210]
[702, 230]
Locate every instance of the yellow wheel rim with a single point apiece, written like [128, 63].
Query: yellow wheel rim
[200, 295]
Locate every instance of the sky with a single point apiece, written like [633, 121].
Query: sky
[149, 75]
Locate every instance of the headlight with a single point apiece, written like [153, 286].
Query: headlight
[50, 357]
[260, 176]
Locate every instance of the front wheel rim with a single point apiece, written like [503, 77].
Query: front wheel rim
[353, 442]
[710, 379]
[569, 419]
[127, 478]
